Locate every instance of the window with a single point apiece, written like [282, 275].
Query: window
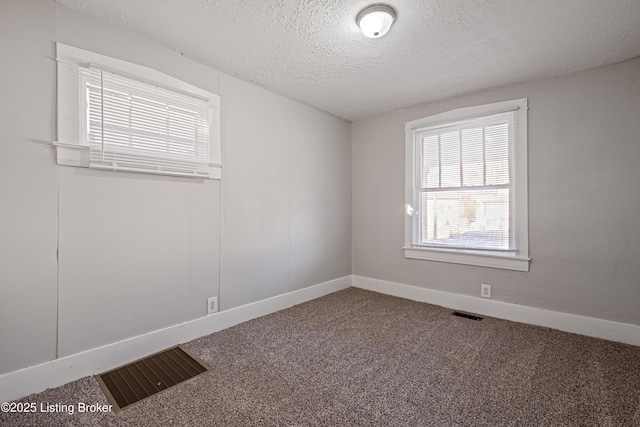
[466, 186]
[120, 116]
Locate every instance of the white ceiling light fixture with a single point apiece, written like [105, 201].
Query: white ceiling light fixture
[375, 20]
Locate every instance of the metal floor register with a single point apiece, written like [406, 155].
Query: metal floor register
[139, 380]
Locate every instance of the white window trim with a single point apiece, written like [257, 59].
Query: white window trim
[70, 151]
[518, 261]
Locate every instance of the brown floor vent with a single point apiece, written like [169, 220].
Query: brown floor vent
[146, 377]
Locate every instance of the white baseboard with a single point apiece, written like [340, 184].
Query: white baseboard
[24, 382]
[15, 385]
[583, 325]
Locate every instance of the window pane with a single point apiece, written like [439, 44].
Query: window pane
[472, 157]
[497, 153]
[470, 218]
[430, 175]
[450, 159]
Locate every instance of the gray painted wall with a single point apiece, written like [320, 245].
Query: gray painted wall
[282, 213]
[584, 203]
[28, 184]
[287, 186]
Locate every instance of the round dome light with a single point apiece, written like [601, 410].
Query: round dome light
[376, 20]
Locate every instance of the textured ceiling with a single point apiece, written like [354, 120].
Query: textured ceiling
[312, 50]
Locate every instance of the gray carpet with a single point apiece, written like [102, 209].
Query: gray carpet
[361, 358]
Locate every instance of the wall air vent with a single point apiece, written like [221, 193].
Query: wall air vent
[466, 316]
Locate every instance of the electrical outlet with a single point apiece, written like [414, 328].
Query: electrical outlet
[212, 305]
[485, 291]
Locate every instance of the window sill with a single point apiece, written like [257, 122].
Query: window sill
[78, 155]
[468, 257]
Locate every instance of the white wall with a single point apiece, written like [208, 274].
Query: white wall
[584, 206]
[287, 212]
[28, 184]
[139, 252]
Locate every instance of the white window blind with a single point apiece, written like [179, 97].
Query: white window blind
[464, 187]
[121, 116]
[133, 125]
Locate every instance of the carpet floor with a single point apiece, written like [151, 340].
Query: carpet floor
[358, 358]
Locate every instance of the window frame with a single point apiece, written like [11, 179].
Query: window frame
[72, 149]
[518, 260]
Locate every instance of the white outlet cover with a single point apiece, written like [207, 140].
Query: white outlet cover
[485, 291]
[212, 305]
